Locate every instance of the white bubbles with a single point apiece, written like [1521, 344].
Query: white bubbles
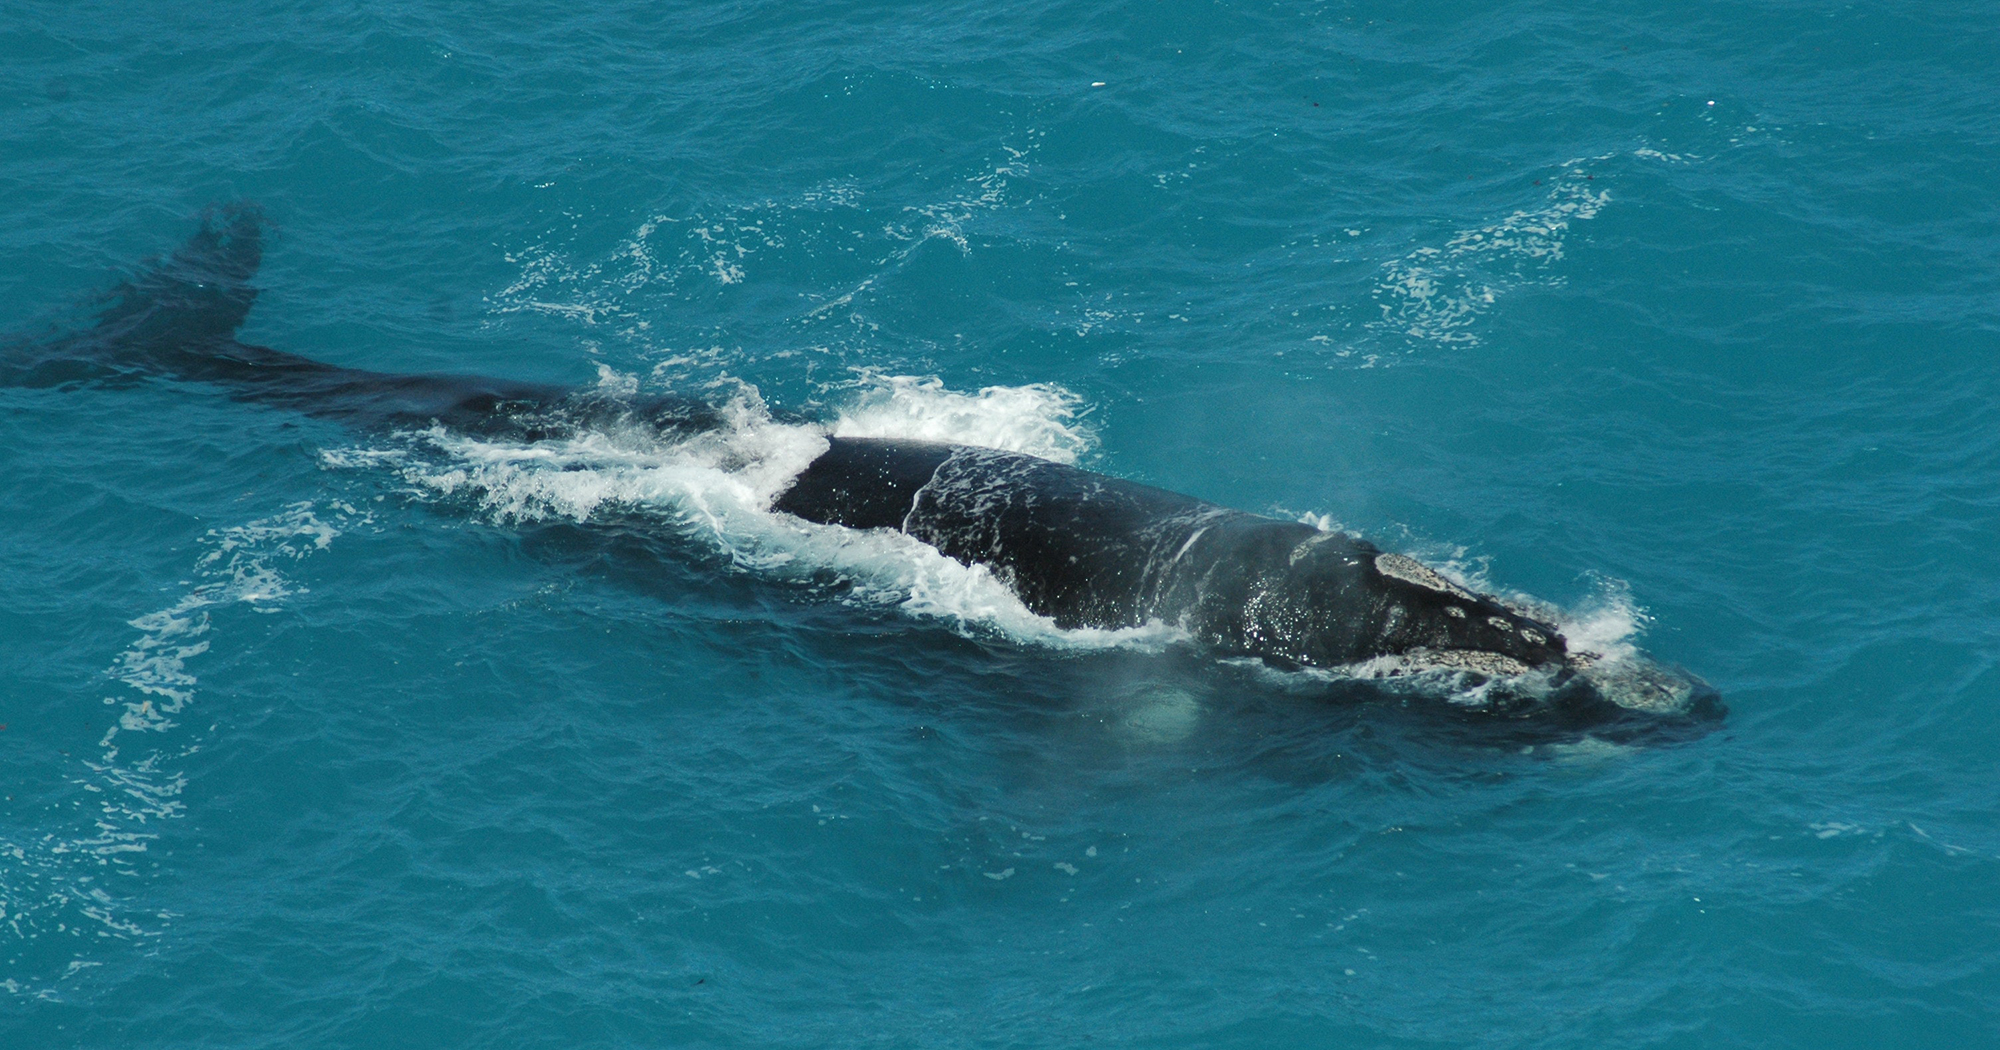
[1590, 751]
[716, 479]
[1606, 622]
[1161, 715]
[1040, 419]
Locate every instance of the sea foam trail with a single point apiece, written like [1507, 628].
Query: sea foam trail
[61, 894]
[1041, 419]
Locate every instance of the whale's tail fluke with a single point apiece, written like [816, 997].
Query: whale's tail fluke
[176, 311]
[196, 297]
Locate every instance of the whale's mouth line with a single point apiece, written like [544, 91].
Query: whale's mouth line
[1626, 683]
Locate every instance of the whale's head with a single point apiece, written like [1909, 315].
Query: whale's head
[1338, 602]
[1635, 684]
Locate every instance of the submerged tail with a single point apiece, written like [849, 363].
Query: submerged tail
[178, 319]
[177, 311]
[193, 299]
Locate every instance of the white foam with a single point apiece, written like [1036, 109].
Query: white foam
[52, 884]
[1437, 293]
[1607, 622]
[1040, 419]
[718, 488]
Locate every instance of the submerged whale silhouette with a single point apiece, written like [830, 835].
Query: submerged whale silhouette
[1081, 548]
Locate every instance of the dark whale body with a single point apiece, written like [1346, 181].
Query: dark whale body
[1082, 548]
[1087, 550]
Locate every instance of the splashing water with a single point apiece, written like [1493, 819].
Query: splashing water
[1040, 419]
[717, 489]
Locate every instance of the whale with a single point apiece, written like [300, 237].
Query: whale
[1082, 548]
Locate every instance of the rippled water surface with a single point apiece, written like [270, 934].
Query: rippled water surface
[1686, 321]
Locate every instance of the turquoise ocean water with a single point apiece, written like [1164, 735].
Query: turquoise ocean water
[1686, 319]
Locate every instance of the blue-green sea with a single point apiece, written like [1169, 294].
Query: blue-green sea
[1684, 318]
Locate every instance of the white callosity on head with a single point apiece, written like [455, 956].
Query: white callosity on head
[1478, 660]
[1304, 550]
[1410, 570]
